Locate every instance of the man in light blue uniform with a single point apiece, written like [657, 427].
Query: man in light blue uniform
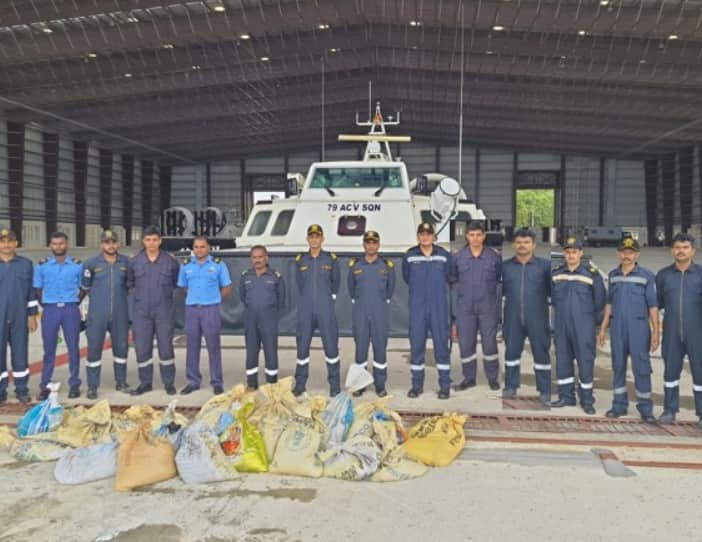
[579, 296]
[57, 281]
[18, 315]
[262, 292]
[317, 274]
[105, 281]
[371, 282]
[476, 271]
[207, 281]
[679, 288]
[632, 310]
[426, 270]
[152, 275]
[526, 287]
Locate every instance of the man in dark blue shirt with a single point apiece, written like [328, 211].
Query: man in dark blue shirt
[526, 287]
[152, 276]
[426, 270]
[679, 288]
[18, 315]
[262, 292]
[317, 274]
[371, 282]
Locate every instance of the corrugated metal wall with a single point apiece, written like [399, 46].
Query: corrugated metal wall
[116, 203]
[187, 186]
[626, 194]
[92, 188]
[226, 186]
[696, 187]
[33, 190]
[582, 189]
[66, 200]
[137, 192]
[496, 177]
[4, 201]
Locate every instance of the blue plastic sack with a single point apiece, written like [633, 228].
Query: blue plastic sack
[44, 417]
[338, 416]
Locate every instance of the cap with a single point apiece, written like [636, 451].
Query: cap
[629, 243]
[108, 235]
[425, 227]
[315, 229]
[572, 242]
[4, 232]
[371, 235]
[151, 230]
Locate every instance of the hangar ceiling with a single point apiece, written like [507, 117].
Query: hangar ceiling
[234, 78]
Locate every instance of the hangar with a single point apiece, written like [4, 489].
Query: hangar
[113, 110]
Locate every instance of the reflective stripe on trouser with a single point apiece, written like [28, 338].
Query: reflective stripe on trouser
[565, 353]
[673, 354]
[96, 332]
[468, 325]
[366, 330]
[199, 322]
[622, 347]
[328, 331]
[144, 328]
[16, 335]
[419, 325]
[261, 330]
[514, 335]
[67, 318]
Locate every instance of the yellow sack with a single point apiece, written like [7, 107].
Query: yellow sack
[242, 440]
[135, 415]
[7, 437]
[224, 402]
[143, 459]
[91, 426]
[296, 450]
[436, 441]
[279, 401]
[36, 450]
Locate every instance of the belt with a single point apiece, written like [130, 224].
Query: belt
[62, 304]
[201, 305]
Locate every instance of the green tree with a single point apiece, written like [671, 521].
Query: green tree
[535, 207]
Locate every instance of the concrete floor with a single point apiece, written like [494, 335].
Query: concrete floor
[515, 491]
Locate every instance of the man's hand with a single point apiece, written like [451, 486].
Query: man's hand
[655, 341]
[602, 337]
[32, 323]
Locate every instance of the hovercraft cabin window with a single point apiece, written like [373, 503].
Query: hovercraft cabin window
[357, 177]
[260, 221]
[282, 223]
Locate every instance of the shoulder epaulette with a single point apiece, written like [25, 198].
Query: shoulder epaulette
[333, 256]
[298, 257]
[389, 263]
[186, 260]
[244, 272]
[42, 261]
[217, 260]
[277, 274]
[352, 262]
[593, 269]
[77, 261]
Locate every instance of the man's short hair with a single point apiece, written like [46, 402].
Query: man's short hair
[475, 225]
[58, 235]
[201, 238]
[259, 247]
[151, 230]
[525, 232]
[684, 238]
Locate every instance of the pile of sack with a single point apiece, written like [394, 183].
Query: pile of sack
[233, 433]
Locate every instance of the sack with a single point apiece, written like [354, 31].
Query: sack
[7, 438]
[143, 459]
[135, 415]
[296, 450]
[91, 426]
[224, 403]
[44, 417]
[397, 467]
[200, 459]
[170, 429]
[436, 441]
[34, 450]
[244, 443]
[84, 465]
[356, 459]
[279, 401]
[338, 417]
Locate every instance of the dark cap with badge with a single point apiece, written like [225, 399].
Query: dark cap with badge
[315, 229]
[371, 235]
[4, 232]
[108, 235]
[425, 227]
[572, 242]
[629, 243]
